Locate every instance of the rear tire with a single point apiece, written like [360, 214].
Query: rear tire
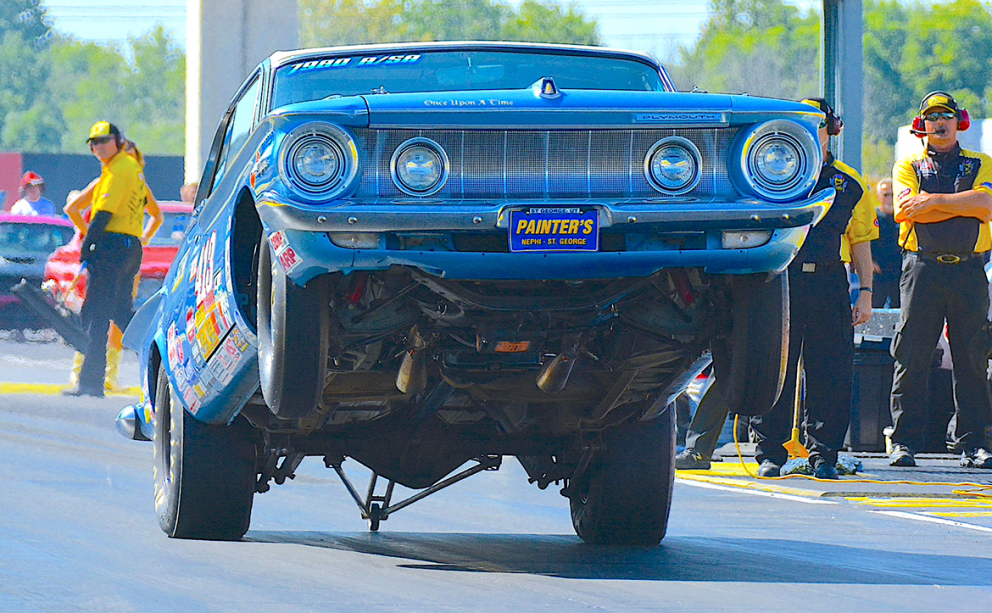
[293, 328]
[204, 474]
[750, 363]
[625, 497]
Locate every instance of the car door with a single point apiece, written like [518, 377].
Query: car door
[209, 353]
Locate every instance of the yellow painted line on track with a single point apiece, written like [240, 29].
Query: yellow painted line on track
[906, 502]
[726, 468]
[703, 477]
[934, 520]
[52, 389]
[960, 513]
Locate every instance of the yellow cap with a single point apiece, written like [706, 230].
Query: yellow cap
[101, 129]
[938, 100]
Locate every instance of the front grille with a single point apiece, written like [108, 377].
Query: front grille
[507, 164]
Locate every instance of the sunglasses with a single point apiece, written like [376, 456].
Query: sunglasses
[936, 115]
[823, 124]
[101, 140]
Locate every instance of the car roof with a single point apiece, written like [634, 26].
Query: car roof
[38, 219]
[281, 58]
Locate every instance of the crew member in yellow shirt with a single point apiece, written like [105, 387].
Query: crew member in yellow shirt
[943, 204]
[111, 250]
[822, 320]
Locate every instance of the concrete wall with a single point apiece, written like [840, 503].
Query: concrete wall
[225, 39]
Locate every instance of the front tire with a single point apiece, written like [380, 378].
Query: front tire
[293, 329]
[204, 474]
[625, 497]
[750, 363]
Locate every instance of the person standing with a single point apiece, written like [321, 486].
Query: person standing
[77, 209]
[32, 203]
[886, 251]
[821, 317]
[943, 204]
[111, 251]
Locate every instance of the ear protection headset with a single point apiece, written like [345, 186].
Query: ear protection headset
[834, 123]
[919, 127]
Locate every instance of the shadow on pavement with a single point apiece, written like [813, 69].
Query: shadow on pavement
[677, 559]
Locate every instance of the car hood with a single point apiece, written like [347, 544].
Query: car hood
[528, 108]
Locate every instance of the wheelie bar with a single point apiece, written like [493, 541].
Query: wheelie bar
[375, 512]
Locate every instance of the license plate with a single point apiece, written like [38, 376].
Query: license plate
[554, 229]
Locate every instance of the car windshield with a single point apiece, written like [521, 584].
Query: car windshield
[32, 238]
[172, 231]
[348, 75]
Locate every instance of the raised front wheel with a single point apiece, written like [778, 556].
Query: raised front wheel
[293, 324]
[750, 363]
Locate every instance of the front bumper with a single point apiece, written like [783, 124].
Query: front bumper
[306, 227]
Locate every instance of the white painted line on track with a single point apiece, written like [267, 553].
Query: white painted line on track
[933, 520]
[741, 490]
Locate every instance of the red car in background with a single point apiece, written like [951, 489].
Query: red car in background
[63, 266]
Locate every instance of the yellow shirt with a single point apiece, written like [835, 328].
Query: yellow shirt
[121, 192]
[939, 230]
[863, 226]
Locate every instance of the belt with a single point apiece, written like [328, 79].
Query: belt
[946, 258]
[120, 237]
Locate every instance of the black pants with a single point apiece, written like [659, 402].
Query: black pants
[933, 292]
[109, 297]
[707, 424]
[820, 330]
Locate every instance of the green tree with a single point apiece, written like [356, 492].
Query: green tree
[24, 38]
[537, 22]
[761, 47]
[949, 47]
[142, 91]
[887, 94]
[342, 22]
[345, 22]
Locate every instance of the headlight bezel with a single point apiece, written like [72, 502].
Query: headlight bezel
[791, 133]
[434, 148]
[678, 142]
[339, 140]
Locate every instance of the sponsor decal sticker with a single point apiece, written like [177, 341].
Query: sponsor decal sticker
[190, 325]
[356, 61]
[289, 259]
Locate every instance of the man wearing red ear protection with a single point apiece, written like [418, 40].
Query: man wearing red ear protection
[943, 204]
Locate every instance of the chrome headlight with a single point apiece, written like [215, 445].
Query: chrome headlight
[672, 165]
[779, 160]
[419, 167]
[319, 160]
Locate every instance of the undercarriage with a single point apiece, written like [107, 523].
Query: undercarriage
[427, 381]
[472, 367]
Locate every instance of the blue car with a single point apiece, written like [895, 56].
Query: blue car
[426, 257]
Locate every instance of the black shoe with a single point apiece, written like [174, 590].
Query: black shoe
[769, 469]
[825, 470]
[901, 456]
[690, 459]
[977, 458]
[84, 391]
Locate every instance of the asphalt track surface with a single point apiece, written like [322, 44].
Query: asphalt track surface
[78, 533]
